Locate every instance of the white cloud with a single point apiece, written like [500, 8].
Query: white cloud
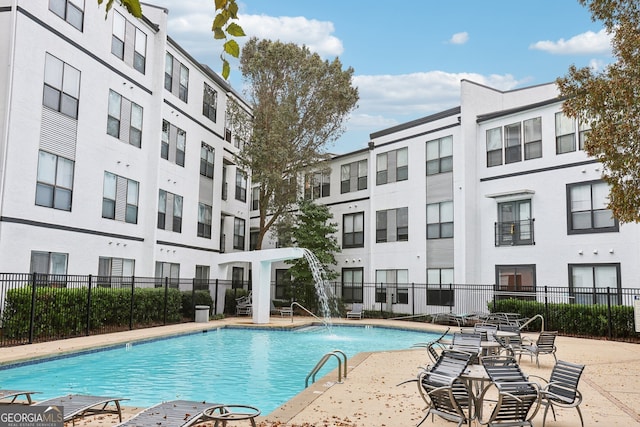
[588, 43]
[316, 35]
[417, 94]
[459, 38]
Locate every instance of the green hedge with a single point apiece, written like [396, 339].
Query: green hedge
[62, 312]
[573, 319]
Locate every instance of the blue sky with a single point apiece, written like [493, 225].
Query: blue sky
[409, 56]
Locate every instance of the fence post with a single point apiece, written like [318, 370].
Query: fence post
[546, 305]
[166, 297]
[32, 317]
[88, 323]
[215, 299]
[413, 299]
[131, 312]
[609, 315]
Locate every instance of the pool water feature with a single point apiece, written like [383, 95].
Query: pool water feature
[262, 368]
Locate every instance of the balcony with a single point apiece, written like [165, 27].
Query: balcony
[514, 233]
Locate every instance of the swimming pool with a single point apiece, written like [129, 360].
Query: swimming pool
[263, 368]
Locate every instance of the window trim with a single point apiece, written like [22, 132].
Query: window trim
[616, 293]
[353, 234]
[570, 230]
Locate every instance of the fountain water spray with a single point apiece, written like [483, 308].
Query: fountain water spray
[323, 288]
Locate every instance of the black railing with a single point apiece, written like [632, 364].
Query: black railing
[36, 308]
[514, 233]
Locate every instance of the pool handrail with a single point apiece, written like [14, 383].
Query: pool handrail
[299, 305]
[322, 362]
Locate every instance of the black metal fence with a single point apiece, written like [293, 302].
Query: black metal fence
[35, 307]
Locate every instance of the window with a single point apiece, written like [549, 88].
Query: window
[169, 211]
[134, 51]
[176, 77]
[532, 138]
[317, 184]
[237, 277]
[392, 166]
[124, 120]
[71, 11]
[514, 280]
[204, 221]
[440, 155]
[54, 185]
[201, 281]
[439, 287]
[440, 220]
[352, 284]
[120, 198]
[513, 146]
[207, 159]
[173, 144]
[514, 226]
[588, 212]
[391, 286]
[61, 86]
[353, 230]
[494, 147]
[209, 103]
[115, 272]
[224, 182]
[51, 265]
[595, 283]
[167, 270]
[583, 134]
[353, 177]
[283, 280]
[565, 134]
[255, 198]
[392, 225]
[238, 233]
[253, 239]
[241, 186]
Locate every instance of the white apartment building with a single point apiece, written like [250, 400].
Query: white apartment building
[496, 191]
[115, 158]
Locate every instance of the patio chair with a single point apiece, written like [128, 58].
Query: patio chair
[16, 396]
[243, 305]
[80, 405]
[173, 413]
[434, 347]
[518, 399]
[445, 393]
[545, 344]
[561, 390]
[469, 343]
[356, 311]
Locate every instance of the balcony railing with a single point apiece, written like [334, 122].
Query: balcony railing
[514, 233]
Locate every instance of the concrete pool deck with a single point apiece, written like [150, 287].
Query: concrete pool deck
[369, 396]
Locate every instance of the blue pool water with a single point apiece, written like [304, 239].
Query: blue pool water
[263, 368]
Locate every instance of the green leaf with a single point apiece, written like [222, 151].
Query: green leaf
[235, 30]
[220, 4]
[219, 21]
[232, 48]
[133, 7]
[233, 9]
[218, 34]
[225, 69]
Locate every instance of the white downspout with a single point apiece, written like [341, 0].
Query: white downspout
[11, 66]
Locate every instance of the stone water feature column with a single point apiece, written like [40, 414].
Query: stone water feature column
[260, 275]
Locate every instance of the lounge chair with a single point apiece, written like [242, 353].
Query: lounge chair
[13, 396]
[355, 312]
[173, 413]
[79, 405]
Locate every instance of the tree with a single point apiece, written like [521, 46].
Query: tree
[299, 104]
[312, 230]
[609, 103]
[222, 27]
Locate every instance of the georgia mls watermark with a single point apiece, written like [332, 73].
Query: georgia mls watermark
[31, 416]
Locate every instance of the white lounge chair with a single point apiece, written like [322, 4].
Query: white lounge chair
[355, 312]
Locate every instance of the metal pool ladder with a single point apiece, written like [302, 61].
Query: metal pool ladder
[321, 363]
